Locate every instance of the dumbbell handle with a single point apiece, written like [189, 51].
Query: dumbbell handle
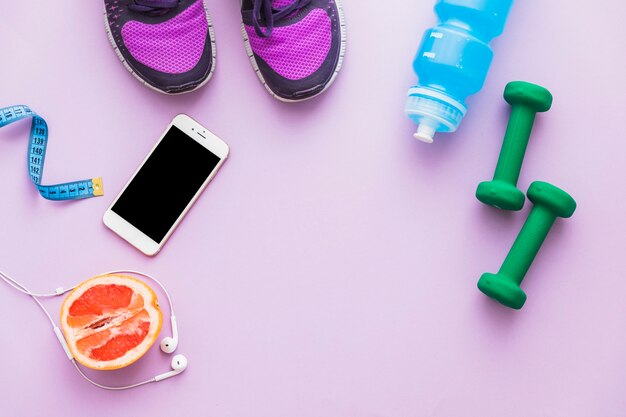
[527, 244]
[515, 142]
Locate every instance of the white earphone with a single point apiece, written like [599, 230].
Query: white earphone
[168, 344]
[179, 364]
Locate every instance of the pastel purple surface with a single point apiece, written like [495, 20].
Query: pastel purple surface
[330, 269]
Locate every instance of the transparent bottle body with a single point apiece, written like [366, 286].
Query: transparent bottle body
[452, 62]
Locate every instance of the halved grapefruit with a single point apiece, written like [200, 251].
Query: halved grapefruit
[110, 321]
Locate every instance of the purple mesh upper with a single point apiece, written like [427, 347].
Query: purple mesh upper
[298, 50]
[174, 46]
[279, 4]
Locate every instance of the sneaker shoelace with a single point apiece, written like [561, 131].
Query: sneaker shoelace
[264, 12]
[153, 7]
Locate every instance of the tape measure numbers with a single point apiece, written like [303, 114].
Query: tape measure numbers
[37, 154]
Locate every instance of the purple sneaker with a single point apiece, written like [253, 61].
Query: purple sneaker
[296, 46]
[168, 45]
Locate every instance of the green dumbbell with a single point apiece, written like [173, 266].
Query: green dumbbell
[549, 202]
[526, 100]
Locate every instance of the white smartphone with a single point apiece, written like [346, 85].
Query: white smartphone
[166, 184]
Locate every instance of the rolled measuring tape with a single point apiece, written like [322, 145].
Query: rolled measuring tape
[37, 154]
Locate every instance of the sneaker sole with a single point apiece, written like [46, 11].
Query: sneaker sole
[342, 53]
[144, 82]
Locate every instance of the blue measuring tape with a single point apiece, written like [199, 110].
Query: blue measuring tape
[37, 154]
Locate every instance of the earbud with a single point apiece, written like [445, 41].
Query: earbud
[179, 364]
[169, 344]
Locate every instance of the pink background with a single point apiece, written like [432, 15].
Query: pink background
[330, 269]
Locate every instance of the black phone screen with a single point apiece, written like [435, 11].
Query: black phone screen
[165, 184]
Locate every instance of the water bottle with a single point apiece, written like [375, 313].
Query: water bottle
[452, 63]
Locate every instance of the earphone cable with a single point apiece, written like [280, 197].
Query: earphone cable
[21, 288]
[13, 283]
[80, 371]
